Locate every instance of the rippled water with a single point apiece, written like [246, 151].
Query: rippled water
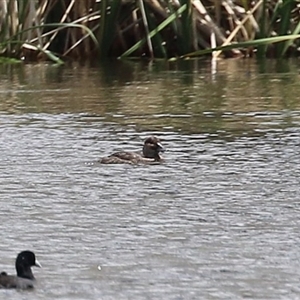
[218, 220]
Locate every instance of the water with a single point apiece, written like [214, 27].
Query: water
[218, 220]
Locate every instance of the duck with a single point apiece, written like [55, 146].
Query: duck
[150, 154]
[24, 279]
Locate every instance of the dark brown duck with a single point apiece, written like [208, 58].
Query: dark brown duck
[24, 279]
[151, 153]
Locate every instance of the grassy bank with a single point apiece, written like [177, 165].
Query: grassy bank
[75, 29]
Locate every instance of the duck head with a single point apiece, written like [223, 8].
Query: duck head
[152, 148]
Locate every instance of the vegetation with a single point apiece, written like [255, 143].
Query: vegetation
[62, 29]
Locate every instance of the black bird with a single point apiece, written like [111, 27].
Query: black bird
[151, 153]
[24, 279]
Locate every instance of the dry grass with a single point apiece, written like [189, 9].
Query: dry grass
[54, 29]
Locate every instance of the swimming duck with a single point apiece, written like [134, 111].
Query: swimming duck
[151, 149]
[24, 279]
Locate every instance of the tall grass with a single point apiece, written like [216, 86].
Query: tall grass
[61, 29]
[109, 14]
[279, 18]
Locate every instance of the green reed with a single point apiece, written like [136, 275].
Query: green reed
[58, 29]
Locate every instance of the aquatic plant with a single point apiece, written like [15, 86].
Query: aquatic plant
[61, 29]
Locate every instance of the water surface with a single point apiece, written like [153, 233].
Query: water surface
[217, 220]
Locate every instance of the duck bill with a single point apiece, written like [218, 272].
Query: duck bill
[160, 147]
[37, 264]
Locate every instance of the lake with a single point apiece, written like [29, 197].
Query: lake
[218, 219]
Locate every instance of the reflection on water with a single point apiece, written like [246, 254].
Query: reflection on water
[181, 97]
[218, 220]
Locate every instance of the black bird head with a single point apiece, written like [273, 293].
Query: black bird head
[25, 260]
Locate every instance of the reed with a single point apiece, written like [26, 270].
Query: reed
[61, 29]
